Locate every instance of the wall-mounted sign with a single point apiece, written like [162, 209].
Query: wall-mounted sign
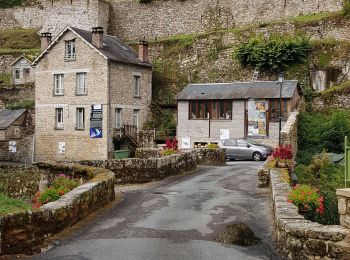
[12, 146]
[96, 118]
[61, 147]
[224, 134]
[185, 143]
[257, 118]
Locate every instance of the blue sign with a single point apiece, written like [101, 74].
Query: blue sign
[95, 132]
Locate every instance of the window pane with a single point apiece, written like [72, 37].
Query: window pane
[214, 110]
[206, 109]
[118, 118]
[80, 118]
[193, 109]
[59, 117]
[136, 85]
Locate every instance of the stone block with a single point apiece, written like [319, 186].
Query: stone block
[341, 205]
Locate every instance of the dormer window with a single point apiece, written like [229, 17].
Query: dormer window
[70, 50]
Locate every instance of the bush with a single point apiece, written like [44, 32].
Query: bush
[23, 104]
[346, 8]
[318, 131]
[171, 144]
[306, 197]
[64, 183]
[283, 152]
[274, 53]
[212, 146]
[49, 195]
[168, 152]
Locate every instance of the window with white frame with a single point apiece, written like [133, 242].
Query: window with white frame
[137, 81]
[118, 118]
[80, 118]
[17, 73]
[81, 84]
[70, 50]
[59, 118]
[58, 84]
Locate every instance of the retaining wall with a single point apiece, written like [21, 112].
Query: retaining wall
[136, 170]
[289, 132]
[29, 231]
[300, 238]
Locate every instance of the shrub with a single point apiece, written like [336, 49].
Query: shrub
[346, 8]
[23, 104]
[11, 205]
[171, 144]
[49, 195]
[274, 53]
[168, 152]
[212, 146]
[283, 152]
[307, 198]
[63, 183]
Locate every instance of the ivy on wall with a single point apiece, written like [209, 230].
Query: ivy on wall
[274, 53]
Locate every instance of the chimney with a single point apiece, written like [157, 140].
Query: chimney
[143, 51]
[45, 40]
[97, 37]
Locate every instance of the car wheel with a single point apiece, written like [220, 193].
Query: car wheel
[257, 156]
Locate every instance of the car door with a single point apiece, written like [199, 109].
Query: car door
[231, 148]
[243, 149]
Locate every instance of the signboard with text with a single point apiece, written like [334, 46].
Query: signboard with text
[96, 119]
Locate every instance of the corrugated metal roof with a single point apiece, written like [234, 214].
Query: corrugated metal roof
[238, 90]
[113, 48]
[7, 117]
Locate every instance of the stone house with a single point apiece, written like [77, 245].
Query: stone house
[209, 112]
[22, 71]
[16, 135]
[88, 85]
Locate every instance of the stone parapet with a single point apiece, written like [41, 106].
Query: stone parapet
[289, 132]
[343, 196]
[136, 170]
[264, 175]
[28, 232]
[300, 238]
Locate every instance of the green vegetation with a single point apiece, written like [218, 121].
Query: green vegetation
[6, 78]
[64, 183]
[22, 104]
[49, 195]
[10, 3]
[318, 131]
[312, 18]
[10, 205]
[346, 8]
[17, 41]
[274, 53]
[342, 89]
[327, 177]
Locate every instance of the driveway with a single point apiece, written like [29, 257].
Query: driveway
[178, 218]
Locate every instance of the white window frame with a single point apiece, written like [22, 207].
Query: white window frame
[137, 84]
[118, 118]
[80, 118]
[58, 84]
[59, 121]
[70, 50]
[81, 83]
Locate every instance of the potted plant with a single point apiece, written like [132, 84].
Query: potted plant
[307, 199]
[283, 155]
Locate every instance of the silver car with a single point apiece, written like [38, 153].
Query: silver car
[244, 149]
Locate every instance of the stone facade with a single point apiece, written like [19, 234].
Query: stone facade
[28, 232]
[336, 101]
[135, 170]
[54, 16]
[289, 133]
[300, 238]
[22, 71]
[343, 196]
[13, 94]
[108, 84]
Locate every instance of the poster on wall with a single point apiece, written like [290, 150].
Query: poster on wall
[257, 118]
[224, 134]
[96, 118]
[61, 147]
[12, 146]
[185, 143]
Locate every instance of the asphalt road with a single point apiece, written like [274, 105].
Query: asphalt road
[178, 218]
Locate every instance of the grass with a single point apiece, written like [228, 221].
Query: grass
[18, 39]
[343, 88]
[23, 104]
[6, 78]
[311, 18]
[10, 3]
[7, 51]
[10, 205]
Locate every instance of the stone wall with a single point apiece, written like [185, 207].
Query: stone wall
[289, 133]
[336, 101]
[343, 196]
[135, 170]
[300, 238]
[5, 62]
[13, 94]
[131, 20]
[53, 16]
[28, 232]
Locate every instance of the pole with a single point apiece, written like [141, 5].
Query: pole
[280, 116]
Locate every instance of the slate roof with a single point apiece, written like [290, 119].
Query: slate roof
[7, 117]
[114, 49]
[238, 90]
